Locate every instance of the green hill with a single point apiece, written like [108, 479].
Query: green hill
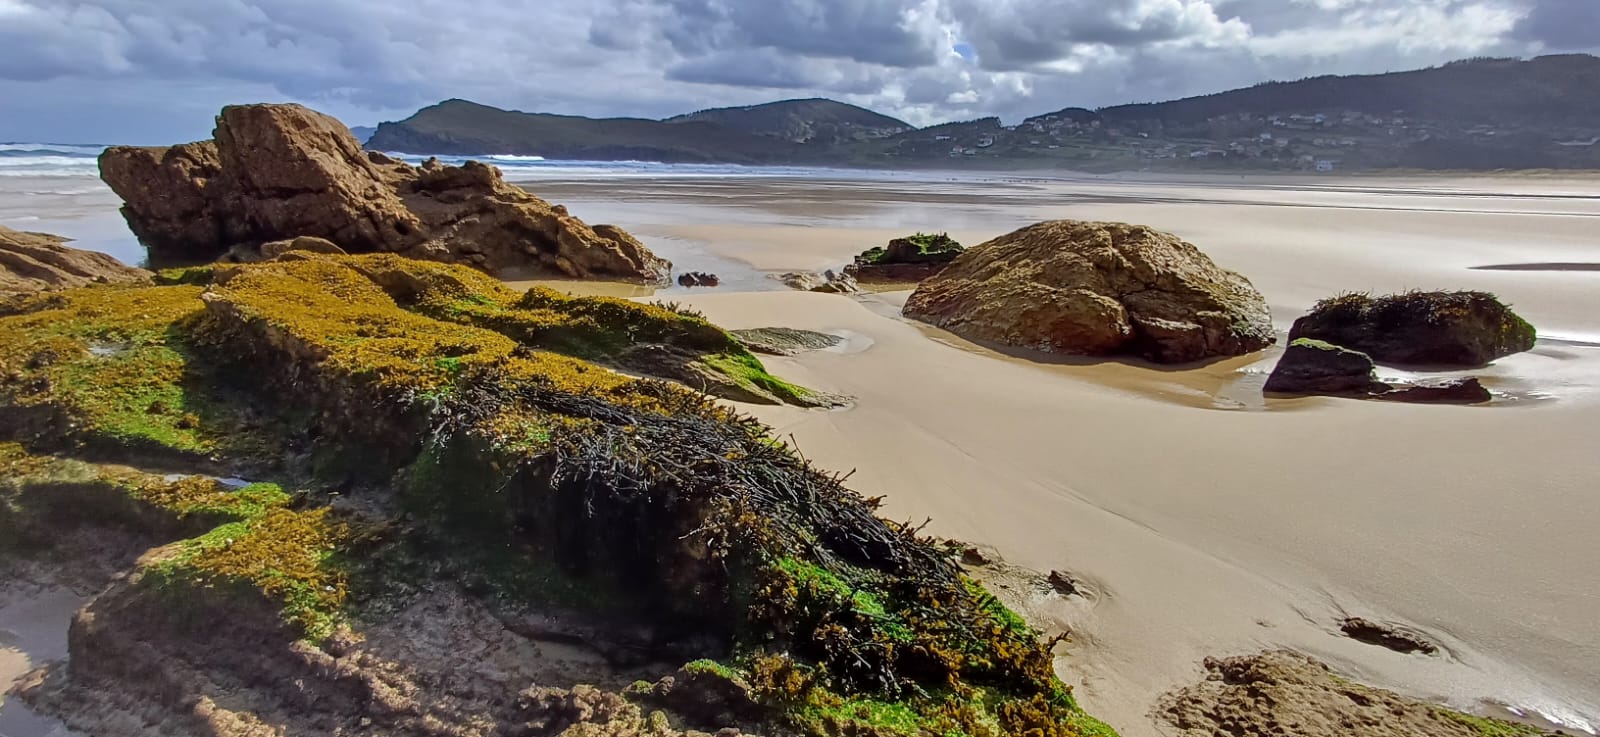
[1468, 115]
[811, 121]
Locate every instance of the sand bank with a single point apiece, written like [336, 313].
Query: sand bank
[1220, 532]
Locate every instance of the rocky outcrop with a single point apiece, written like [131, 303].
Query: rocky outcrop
[1314, 367]
[827, 282]
[1450, 329]
[784, 341]
[906, 260]
[1098, 289]
[33, 262]
[1284, 692]
[277, 172]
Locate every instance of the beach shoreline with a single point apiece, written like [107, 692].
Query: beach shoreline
[1207, 532]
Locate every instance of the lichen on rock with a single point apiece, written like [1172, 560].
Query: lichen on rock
[436, 441]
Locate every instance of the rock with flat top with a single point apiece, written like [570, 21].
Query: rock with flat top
[1096, 289]
[34, 262]
[280, 172]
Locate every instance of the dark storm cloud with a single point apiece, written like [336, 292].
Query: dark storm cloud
[154, 70]
[1562, 25]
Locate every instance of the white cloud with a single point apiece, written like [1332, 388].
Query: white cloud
[140, 69]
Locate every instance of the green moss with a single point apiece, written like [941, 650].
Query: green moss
[712, 667]
[746, 371]
[533, 477]
[1487, 727]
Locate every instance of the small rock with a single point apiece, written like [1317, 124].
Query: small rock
[973, 555]
[784, 341]
[305, 243]
[1315, 367]
[1383, 635]
[1443, 391]
[698, 279]
[1063, 583]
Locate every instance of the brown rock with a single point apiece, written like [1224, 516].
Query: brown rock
[698, 279]
[827, 282]
[1385, 635]
[32, 262]
[1466, 390]
[1098, 289]
[277, 172]
[304, 244]
[1285, 693]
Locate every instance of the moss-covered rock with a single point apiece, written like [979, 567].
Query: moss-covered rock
[1448, 329]
[471, 444]
[909, 259]
[1314, 367]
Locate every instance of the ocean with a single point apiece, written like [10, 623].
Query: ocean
[79, 160]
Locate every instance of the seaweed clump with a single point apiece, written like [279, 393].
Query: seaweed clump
[1462, 329]
[470, 420]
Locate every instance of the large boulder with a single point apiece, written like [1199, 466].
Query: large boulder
[1098, 289]
[277, 172]
[32, 262]
[1447, 329]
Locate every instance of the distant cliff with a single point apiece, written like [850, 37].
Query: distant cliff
[1471, 114]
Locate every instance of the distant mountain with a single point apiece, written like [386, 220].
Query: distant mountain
[363, 132]
[459, 127]
[1471, 114]
[813, 121]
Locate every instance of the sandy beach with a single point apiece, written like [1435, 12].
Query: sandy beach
[1207, 520]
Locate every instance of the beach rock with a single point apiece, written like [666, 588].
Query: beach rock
[784, 341]
[826, 282]
[1286, 693]
[1446, 329]
[1384, 635]
[33, 262]
[1063, 583]
[277, 172]
[1468, 390]
[910, 259]
[1314, 367]
[1098, 289]
[698, 279]
[303, 244]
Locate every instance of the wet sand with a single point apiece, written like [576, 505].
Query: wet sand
[1211, 521]
[33, 631]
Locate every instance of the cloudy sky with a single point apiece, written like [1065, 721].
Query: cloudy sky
[155, 71]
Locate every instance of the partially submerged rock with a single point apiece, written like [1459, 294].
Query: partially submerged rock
[784, 341]
[1445, 329]
[1313, 367]
[1098, 289]
[277, 172]
[827, 282]
[1463, 390]
[909, 259]
[429, 445]
[1385, 635]
[698, 279]
[1284, 692]
[33, 262]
